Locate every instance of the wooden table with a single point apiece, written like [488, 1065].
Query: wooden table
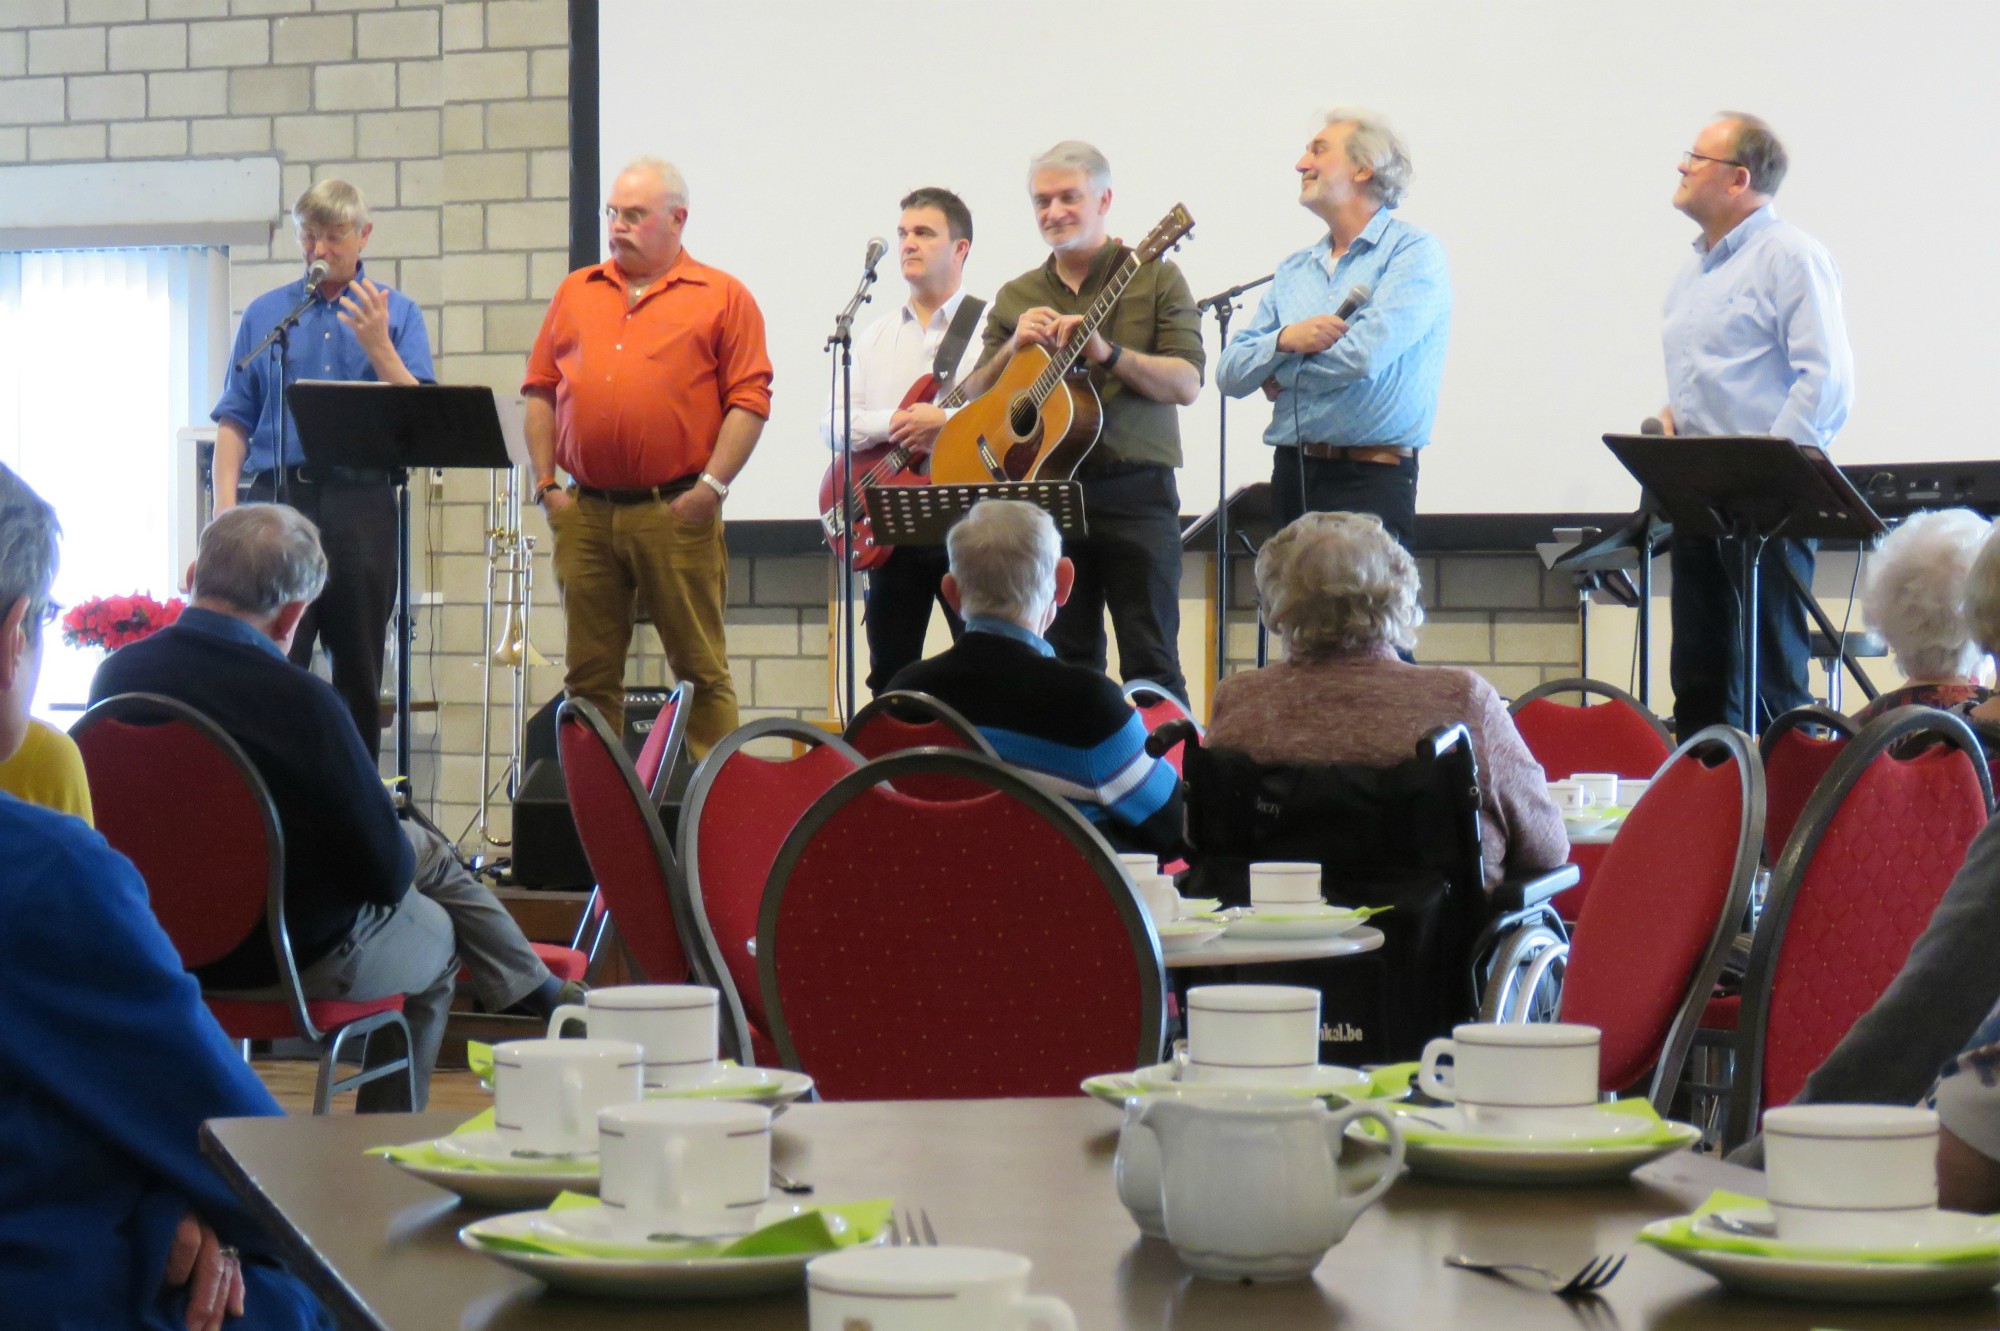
[1032, 1176]
[1226, 951]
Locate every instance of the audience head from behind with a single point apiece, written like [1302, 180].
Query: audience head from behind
[262, 564]
[1007, 563]
[29, 534]
[1915, 595]
[1981, 603]
[1337, 584]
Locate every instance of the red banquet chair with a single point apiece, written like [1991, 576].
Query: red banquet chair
[1653, 937]
[1799, 749]
[923, 949]
[904, 719]
[636, 870]
[739, 809]
[178, 797]
[659, 757]
[1617, 735]
[1860, 877]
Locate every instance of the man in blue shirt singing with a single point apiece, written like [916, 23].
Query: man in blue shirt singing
[353, 330]
[1755, 343]
[1356, 392]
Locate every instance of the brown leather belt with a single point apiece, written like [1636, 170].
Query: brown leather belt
[1388, 454]
[649, 495]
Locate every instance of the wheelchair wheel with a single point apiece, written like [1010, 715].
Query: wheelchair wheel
[1524, 983]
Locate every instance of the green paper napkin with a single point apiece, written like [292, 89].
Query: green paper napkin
[1390, 1081]
[429, 1156]
[1418, 1133]
[807, 1232]
[1682, 1233]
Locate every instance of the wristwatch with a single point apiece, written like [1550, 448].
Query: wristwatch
[721, 490]
[1112, 359]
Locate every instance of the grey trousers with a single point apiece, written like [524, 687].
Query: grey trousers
[415, 948]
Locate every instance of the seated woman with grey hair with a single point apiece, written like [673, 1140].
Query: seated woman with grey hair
[1914, 596]
[1342, 594]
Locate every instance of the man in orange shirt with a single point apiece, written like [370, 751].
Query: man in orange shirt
[649, 385]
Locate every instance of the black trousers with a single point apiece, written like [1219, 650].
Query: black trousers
[1130, 564]
[1707, 659]
[901, 592]
[357, 529]
[1340, 485]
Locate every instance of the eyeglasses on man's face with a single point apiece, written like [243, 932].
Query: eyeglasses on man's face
[1689, 159]
[629, 216]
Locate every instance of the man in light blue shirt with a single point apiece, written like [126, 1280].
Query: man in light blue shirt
[1355, 396]
[1755, 343]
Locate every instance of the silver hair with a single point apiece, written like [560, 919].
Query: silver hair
[1914, 594]
[1982, 595]
[258, 558]
[330, 203]
[1338, 582]
[1757, 150]
[669, 176]
[1374, 145]
[1074, 155]
[29, 534]
[1003, 556]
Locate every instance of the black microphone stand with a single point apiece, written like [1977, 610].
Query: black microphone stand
[1224, 305]
[281, 338]
[843, 337]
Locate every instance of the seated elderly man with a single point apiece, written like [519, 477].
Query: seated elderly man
[1342, 595]
[1914, 597]
[1065, 724]
[357, 929]
[109, 1216]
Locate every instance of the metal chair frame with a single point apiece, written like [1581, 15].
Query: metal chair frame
[1592, 687]
[910, 700]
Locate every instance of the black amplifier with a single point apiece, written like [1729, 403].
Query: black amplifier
[546, 851]
[1896, 490]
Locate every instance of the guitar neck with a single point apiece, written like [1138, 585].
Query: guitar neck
[1064, 360]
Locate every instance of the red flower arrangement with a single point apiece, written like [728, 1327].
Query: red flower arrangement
[112, 621]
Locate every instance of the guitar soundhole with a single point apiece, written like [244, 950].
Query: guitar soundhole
[1022, 417]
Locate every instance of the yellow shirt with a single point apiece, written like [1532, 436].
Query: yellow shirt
[48, 770]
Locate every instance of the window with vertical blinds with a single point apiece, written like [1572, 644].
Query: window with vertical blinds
[105, 356]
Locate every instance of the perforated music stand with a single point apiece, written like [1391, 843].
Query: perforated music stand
[395, 428]
[922, 514]
[1749, 489]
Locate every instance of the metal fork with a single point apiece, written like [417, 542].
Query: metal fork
[1596, 1273]
[912, 1230]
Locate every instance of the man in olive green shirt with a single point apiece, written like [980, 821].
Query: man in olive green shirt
[1145, 362]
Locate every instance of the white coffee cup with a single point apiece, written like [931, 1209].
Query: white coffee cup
[1630, 789]
[1284, 883]
[1139, 864]
[1603, 787]
[547, 1093]
[1161, 899]
[1851, 1175]
[1570, 796]
[676, 1024]
[928, 1289]
[1513, 1077]
[1251, 1033]
[690, 1167]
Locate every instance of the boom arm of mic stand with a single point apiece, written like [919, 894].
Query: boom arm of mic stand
[843, 323]
[283, 327]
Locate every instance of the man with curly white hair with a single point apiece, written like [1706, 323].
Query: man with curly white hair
[1914, 596]
[1343, 597]
[1356, 389]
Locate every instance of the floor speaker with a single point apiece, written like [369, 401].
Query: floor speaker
[547, 853]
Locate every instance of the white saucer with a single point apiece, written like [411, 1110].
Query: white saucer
[1559, 1129]
[490, 1147]
[1819, 1276]
[1302, 921]
[484, 1187]
[598, 1224]
[1324, 1080]
[1527, 1160]
[762, 1086]
[1185, 935]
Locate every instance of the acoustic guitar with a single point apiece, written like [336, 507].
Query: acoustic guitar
[1042, 417]
[880, 464]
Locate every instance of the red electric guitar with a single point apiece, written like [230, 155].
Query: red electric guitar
[881, 464]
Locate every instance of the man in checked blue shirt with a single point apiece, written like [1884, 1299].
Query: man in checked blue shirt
[1755, 343]
[1355, 396]
[353, 330]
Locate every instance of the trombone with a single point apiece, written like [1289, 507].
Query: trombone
[510, 592]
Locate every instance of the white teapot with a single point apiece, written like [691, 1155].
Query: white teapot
[1249, 1184]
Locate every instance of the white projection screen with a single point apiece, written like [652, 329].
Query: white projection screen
[1544, 133]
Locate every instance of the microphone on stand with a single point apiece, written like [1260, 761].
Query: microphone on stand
[1357, 296]
[1652, 425]
[877, 247]
[316, 274]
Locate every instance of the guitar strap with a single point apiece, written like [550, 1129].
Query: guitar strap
[955, 339]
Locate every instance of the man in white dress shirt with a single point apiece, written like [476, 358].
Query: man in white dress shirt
[932, 239]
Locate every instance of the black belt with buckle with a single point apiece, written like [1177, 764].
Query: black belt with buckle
[1389, 454]
[651, 494]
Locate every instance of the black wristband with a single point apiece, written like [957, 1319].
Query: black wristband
[542, 490]
[1112, 359]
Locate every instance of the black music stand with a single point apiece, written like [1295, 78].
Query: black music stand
[1601, 558]
[1749, 489]
[393, 428]
[922, 514]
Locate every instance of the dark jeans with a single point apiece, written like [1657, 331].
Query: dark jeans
[1707, 662]
[1130, 564]
[357, 528]
[1337, 485]
[901, 592]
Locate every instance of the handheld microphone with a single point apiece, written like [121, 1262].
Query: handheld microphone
[1652, 425]
[316, 274]
[1357, 296]
[877, 247]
